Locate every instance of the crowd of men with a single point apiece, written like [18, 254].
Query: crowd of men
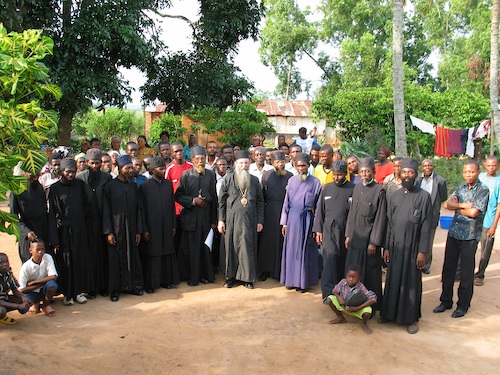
[119, 223]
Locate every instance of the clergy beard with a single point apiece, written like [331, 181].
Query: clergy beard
[242, 179]
[200, 169]
[280, 172]
[303, 177]
[366, 181]
[408, 183]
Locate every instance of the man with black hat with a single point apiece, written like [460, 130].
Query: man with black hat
[68, 235]
[95, 179]
[159, 223]
[299, 264]
[274, 184]
[365, 228]
[241, 217]
[123, 229]
[198, 196]
[329, 226]
[409, 216]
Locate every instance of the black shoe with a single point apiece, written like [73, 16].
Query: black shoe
[204, 281]
[136, 292]
[150, 291]
[103, 292]
[167, 286]
[229, 283]
[115, 296]
[426, 271]
[192, 283]
[382, 320]
[264, 276]
[459, 312]
[91, 295]
[441, 308]
[248, 285]
[300, 290]
[289, 287]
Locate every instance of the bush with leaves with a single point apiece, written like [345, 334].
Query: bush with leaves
[23, 122]
[170, 123]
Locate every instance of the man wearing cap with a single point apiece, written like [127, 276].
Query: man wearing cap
[122, 228]
[198, 196]
[274, 184]
[365, 228]
[258, 168]
[158, 214]
[68, 202]
[299, 264]
[95, 179]
[241, 217]
[409, 216]
[329, 226]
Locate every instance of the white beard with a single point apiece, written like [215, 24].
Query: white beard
[242, 179]
[303, 177]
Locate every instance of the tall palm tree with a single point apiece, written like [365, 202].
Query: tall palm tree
[495, 118]
[397, 78]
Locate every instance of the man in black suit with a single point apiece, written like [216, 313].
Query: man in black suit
[435, 185]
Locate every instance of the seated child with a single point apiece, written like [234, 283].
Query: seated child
[37, 279]
[352, 297]
[8, 301]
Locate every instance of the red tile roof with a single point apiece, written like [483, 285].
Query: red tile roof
[285, 108]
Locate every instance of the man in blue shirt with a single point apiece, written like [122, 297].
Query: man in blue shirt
[469, 201]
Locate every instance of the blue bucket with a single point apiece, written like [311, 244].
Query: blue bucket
[445, 221]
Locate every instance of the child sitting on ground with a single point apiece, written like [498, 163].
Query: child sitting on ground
[352, 297]
[37, 279]
[10, 301]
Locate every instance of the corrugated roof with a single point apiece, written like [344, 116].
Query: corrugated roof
[285, 108]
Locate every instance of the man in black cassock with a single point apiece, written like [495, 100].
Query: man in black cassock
[158, 215]
[68, 234]
[123, 228]
[198, 196]
[274, 184]
[329, 226]
[241, 217]
[365, 228]
[95, 179]
[30, 207]
[410, 220]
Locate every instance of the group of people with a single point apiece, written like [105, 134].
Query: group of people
[298, 217]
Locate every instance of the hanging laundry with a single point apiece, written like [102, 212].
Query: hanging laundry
[470, 143]
[454, 143]
[481, 130]
[424, 126]
[441, 142]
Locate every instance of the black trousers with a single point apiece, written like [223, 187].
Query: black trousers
[466, 251]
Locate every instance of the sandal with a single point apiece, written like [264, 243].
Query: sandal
[8, 320]
[478, 282]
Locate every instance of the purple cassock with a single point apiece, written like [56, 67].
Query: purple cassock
[299, 264]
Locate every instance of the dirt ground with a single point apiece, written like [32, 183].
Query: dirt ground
[212, 330]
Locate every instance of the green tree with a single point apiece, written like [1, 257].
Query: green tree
[23, 121]
[170, 123]
[495, 118]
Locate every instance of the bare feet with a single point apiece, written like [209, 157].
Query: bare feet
[367, 329]
[337, 321]
[49, 311]
[35, 309]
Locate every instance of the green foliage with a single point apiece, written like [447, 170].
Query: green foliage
[170, 123]
[237, 124]
[23, 122]
[126, 124]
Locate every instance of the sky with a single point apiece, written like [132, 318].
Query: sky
[177, 36]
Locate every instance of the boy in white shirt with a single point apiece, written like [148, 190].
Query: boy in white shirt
[37, 279]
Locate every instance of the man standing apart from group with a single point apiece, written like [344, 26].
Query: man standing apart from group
[329, 226]
[197, 194]
[365, 229]
[241, 217]
[299, 265]
[469, 201]
[408, 241]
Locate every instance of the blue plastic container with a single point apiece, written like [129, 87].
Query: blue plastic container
[445, 221]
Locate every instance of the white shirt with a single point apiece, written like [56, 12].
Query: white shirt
[31, 271]
[219, 181]
[211, 167]
[290, 168]
[254, 171]
[427, 184]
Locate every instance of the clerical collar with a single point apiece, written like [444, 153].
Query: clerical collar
[368, 183]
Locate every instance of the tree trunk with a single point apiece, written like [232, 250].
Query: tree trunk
[495, 118]
[397, 79]
[64, 128]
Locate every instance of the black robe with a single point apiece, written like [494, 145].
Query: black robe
[408, 233]
[120, 217]
[30, 207]
[67, 230]
[330, 220]
[195, 259]
[271, 241]
[240, 239]
[366, 224]
[157, 206]
[98, 255]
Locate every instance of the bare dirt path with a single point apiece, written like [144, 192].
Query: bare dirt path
[212, 330]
